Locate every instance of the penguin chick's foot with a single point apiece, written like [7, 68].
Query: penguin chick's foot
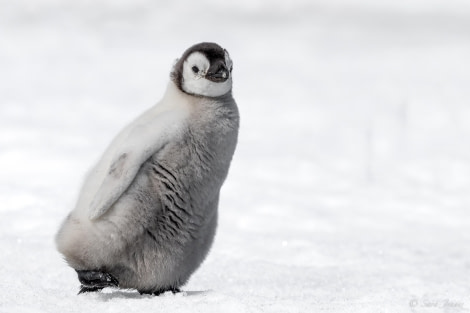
[95, 281]
[84, 289]
[173, 290]
[160, 291]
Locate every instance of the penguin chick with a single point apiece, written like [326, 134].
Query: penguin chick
[147, 212]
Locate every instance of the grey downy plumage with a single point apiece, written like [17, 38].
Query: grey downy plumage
[147, 212]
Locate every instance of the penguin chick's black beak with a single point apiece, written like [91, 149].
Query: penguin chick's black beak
[217, 72]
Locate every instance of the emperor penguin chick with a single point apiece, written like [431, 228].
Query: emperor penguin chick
[147, 212]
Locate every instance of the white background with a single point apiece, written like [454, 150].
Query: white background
[350, 187]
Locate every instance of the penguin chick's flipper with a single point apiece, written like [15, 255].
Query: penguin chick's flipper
[141, 142]
[120, 175]
[95, 281]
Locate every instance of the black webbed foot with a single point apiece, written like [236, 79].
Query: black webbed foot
[95, 281]
[84, 289]
[160, 291]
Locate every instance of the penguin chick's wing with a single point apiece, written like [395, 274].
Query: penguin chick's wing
[135, 145]
[121, 173]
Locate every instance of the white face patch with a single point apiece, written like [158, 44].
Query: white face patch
[194, 82]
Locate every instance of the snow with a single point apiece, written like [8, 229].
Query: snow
[349, 190]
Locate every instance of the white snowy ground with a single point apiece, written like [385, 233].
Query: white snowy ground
[350, 188]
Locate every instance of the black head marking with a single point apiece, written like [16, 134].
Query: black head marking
[211, 50]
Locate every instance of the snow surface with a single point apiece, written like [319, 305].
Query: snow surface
[350, 187]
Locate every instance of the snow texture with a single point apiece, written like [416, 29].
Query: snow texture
[350, 187]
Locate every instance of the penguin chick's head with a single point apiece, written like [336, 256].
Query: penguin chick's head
[205, 69]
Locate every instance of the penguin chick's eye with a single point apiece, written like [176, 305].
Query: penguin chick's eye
[195, 69]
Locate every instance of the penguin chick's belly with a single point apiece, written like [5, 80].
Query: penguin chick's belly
[172, 229]
[159, 231]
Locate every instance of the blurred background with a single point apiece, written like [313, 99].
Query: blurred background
[350, 183]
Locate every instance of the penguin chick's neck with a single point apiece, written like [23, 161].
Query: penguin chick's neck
[174, 91]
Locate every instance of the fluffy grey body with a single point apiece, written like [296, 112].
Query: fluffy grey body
[161, 226]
